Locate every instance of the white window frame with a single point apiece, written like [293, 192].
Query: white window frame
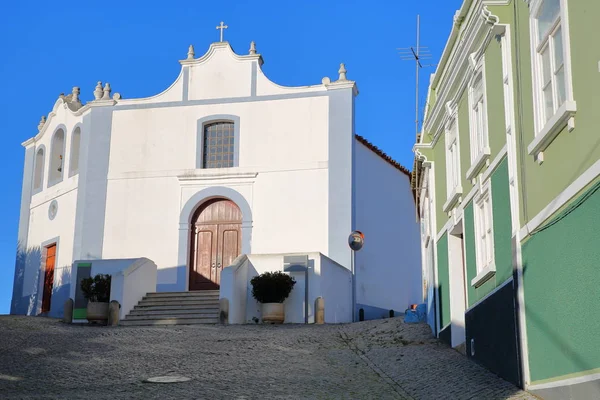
[546, 129]
[480, 148]
[425, 219]
[453, 176]
[484, 235]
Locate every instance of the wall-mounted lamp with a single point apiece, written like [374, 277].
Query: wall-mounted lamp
[60, 166]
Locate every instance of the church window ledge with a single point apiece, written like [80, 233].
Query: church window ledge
[215, 174]
[453, 198]
[478, 163]
[484, 275]
[38, 174]
[565, 116]
[55, 191]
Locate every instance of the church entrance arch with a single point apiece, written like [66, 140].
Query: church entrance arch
[216, 240]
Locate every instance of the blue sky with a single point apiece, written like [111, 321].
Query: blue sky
[46, 48]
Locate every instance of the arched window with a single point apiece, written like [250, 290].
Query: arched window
[218, 145]
[38, 174]
[57, 151]
[74, 158]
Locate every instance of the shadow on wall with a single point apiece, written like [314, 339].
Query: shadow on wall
[174, 278]
[27, 259]
[28, 284]
[61, 291]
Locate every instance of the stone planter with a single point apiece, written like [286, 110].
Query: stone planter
[273, 313]
[97, 311]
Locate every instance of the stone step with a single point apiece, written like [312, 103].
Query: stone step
[180, 302]
[199, 293]
[169, 321]
[184, 312]
[175, 307]
[211, 315]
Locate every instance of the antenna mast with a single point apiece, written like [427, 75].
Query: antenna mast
[417, 54]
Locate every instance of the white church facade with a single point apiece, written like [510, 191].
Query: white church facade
[223, 163]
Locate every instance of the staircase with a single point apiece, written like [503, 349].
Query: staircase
[175, 308]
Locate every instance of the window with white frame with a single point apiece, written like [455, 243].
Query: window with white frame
[452, 158]
[479, 129]
[484, 235]
[554, 106]
[425, 221]
[551, 59]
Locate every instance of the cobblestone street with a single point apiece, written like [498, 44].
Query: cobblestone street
[384, 359]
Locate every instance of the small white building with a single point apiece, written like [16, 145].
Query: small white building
[222, 163]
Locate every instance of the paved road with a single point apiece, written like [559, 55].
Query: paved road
[385, 359]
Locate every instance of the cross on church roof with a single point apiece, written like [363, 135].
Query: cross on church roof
[221, 27]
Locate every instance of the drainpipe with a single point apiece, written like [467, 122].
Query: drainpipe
[519, 292]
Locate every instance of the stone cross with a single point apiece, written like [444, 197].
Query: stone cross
[221, 27]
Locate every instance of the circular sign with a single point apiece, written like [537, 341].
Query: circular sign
[356, 240]
[52, 209]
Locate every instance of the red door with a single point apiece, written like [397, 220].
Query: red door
[215, 242]
[48, 277]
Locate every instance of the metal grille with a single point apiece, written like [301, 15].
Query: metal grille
[218, 145]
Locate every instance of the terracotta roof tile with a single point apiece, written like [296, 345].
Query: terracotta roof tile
[381, 154]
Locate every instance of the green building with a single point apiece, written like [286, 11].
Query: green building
[507, 172]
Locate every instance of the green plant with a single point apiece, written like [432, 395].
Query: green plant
[272, 287]
[96, 289]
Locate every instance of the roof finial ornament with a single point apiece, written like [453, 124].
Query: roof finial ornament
[98, 91]
[252, 48]
[76, 91]
[221, 27]
[106, 91]
[191, 53]
[42, 123]
[342, 71]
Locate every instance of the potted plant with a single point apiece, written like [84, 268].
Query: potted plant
[271, 289]
[97, 291]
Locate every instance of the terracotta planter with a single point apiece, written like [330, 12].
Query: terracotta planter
[273, 313]
[97, 311]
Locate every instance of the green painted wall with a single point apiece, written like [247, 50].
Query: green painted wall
[502, 236]
[561, 283]
[571, 153]
[502, 223]
[441, 194]
[495, 98]
[464, 138]
[443, 280]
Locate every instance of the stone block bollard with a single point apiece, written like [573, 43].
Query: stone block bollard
[114, 309]
[68, 313]
[319, 310]
[224, 311]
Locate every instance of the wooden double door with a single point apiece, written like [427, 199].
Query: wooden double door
[48, 277]
[216, 241]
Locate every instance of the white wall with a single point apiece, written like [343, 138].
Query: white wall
[285, 149]
[283, 145]
[336, 290]
[234, 288]
[43, 231]
[131, 279]
[457, 288]
[326, 279]
[388, 268]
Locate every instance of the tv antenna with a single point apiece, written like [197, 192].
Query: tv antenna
[417, 54]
